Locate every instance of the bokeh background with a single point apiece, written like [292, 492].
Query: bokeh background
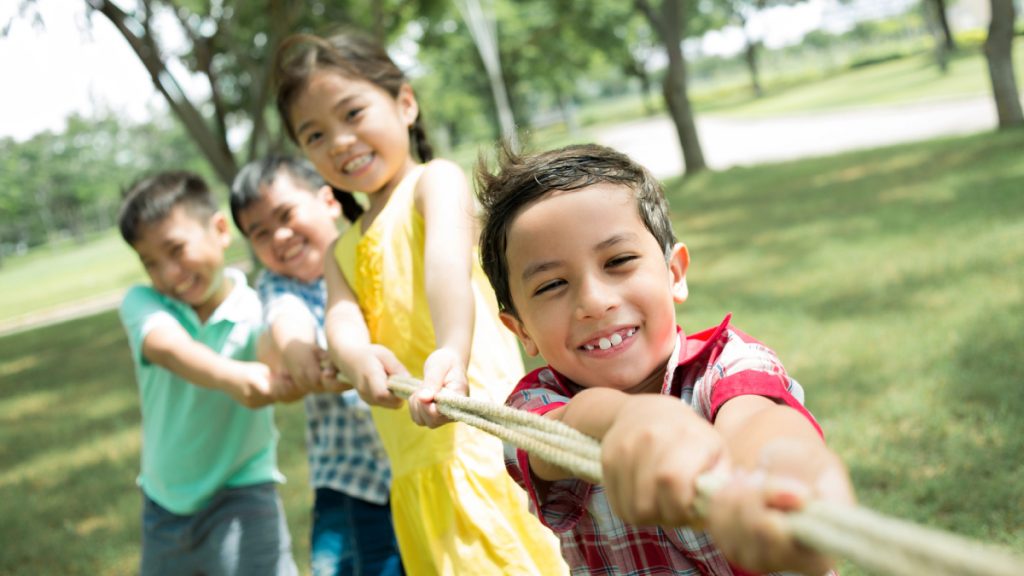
[849, 177]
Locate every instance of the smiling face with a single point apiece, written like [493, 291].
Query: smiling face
[184, 258]
[355, 133]
[591, 288]
[290, 227]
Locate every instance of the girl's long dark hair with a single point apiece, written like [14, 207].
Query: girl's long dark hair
[354, 55]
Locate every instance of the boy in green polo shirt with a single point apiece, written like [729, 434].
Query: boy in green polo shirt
[209, 461]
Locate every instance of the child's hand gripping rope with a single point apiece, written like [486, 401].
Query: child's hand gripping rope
[879, 543]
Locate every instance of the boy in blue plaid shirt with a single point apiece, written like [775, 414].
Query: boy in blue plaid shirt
[289, 216]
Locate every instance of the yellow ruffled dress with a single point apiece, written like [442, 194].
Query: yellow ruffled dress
[456, 510]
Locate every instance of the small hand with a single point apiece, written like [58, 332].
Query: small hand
[746, 515]
[443, 370]
[330, 379]
[370, 372]
[285, 389]
[254, 389]
[302, 365]
[651, 456]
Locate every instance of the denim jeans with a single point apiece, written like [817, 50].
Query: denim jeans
[352, 537]
[241, 532]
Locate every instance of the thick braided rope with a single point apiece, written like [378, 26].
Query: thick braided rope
[879, 543]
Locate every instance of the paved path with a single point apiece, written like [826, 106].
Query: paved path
[726, 142]
[731, 142]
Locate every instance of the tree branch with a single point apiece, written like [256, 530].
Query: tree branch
[148, 52]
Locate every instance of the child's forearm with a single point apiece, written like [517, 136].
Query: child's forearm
[749, 423]
[592, 412]
[194, 362]
[452, 309]
[292, 333]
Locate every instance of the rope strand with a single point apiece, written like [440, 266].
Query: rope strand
[879, 543]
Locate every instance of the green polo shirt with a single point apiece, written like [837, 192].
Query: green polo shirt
[196, 441]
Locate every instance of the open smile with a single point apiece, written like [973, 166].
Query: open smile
[609, 341]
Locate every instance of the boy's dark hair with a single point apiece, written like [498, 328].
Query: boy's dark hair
[523, 179]
[248, 185]
[352, 54]
[151, 199]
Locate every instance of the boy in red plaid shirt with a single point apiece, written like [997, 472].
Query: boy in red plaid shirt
[579, 248]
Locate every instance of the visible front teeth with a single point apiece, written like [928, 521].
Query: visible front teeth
[357, 163]
[184, 286]
[606, 343]
[292, 251]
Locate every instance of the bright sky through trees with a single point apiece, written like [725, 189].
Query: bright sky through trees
[69, 66]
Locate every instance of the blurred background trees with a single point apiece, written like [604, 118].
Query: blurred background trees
[564, 64]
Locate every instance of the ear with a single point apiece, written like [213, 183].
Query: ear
[408, 108]
[326, 195]
[517, 328]
[221, 228]
[678, 264]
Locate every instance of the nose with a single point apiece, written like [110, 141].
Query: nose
[595, 298]
[170, 273]
[341, 140]
[282, 233]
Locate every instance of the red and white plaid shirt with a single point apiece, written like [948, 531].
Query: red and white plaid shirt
[705, 370]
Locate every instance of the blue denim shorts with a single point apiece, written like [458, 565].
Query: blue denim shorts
[242, 532]
[352, 537]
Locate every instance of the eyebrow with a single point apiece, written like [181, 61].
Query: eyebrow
[538, 267]
[545, 265]
[302, 127]
[252, 227]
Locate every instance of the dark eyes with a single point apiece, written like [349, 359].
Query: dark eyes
[613, 264]
[620, 260]
[353, 113]
[548, 286]
[312, 138]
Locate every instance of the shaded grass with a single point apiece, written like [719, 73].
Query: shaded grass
[889, 281]
[69, 452]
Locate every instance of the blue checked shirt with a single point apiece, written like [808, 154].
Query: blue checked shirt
[345, 453]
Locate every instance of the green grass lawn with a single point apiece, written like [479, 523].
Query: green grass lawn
[908, 80]
[67, 272]
[890, 282]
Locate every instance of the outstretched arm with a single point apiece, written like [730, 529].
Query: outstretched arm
[443, 197]
[655, 447]
[364, 364]
[290, 346]
[171, 347]
[780, 461]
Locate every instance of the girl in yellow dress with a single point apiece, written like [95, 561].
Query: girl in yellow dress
[406, 294]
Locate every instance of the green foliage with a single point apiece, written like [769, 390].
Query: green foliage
[70, 183]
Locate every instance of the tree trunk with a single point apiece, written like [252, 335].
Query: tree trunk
[484, 32]
[670, 24]
[943, 21]
[214, 148]
[999, 53]
[751, 58]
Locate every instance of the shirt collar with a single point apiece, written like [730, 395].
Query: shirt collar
[233, 308]
[689, 349]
